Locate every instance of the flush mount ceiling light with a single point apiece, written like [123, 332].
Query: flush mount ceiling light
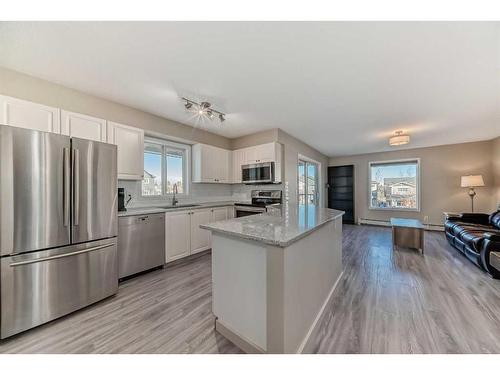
[203, 109]
[399, 139]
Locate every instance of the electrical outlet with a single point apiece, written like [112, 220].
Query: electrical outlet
[426, 219]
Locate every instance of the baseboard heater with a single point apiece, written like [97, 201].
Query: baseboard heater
[386, 223]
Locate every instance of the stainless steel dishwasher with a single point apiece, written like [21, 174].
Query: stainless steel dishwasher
[141, 243]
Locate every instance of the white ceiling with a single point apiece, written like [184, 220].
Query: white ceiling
[341, 87]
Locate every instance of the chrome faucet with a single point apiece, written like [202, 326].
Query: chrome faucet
[174, 199]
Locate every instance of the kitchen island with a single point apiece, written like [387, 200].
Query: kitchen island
[273, 275]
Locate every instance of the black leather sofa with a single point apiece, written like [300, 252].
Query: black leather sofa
[476, 235]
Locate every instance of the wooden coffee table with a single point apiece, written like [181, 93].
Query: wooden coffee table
[407, 233]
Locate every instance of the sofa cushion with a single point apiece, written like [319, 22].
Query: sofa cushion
[495, 219]
[449, 225]
[457, 229]
[473, 239]
[460, 227]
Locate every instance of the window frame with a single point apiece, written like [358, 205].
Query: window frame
[418, 185]
[166, 144]
[319, 194]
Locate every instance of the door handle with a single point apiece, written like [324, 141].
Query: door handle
[66, 186]
[15, 264]
[76, 186]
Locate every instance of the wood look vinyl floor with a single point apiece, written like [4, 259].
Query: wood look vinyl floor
[386, 302]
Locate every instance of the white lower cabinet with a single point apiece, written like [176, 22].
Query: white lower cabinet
[183, 235]
[177, 235]
[219, 213]
[230, 212]
[200, 238]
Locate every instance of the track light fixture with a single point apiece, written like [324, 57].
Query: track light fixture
[203, 109]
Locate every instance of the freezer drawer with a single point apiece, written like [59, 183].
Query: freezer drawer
[38, 287]
[141, 243]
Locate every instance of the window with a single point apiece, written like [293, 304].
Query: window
[308, 178]
[395, 185]
[165, 165]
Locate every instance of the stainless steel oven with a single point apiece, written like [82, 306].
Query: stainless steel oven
[247, 210]
[261, 200]
[261, 173]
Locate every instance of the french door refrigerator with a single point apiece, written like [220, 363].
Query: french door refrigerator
[58, 225]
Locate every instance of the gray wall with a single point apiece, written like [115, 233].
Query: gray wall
[26, 87]
[495, 165]
[294, 148]
[441, 168]
[255, 139]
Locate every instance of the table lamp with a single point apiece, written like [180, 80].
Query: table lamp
[471, 182]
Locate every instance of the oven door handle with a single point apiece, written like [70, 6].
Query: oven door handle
[249, 209]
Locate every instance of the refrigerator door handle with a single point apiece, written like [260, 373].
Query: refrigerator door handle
[15, 264]
[66, 186]
[76, 186]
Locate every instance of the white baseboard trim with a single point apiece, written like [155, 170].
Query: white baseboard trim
[385, 223]
[306, 345]
[244, 344]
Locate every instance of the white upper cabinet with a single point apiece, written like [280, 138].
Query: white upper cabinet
[262, 153]
[249, 155]
[29, 115]
[268, 152]
[130, 143]
[83, 126]
[238, 159]
[210, 164]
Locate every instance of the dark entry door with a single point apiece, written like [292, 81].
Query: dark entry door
[341, 190]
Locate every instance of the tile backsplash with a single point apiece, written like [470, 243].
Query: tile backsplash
[197, 193]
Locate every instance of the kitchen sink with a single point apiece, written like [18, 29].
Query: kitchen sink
[179, 206]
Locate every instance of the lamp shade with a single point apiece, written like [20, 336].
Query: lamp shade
[472, 181]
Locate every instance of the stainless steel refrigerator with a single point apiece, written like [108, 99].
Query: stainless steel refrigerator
[58, 226]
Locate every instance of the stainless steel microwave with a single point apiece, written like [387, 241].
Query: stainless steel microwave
[261, 173]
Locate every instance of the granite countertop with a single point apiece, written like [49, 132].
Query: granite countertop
[159, 209]
[278, 229]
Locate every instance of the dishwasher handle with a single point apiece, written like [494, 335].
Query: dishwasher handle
[142, 218]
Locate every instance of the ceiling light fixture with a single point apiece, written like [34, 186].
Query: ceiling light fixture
[399, 139]
[203, 109]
